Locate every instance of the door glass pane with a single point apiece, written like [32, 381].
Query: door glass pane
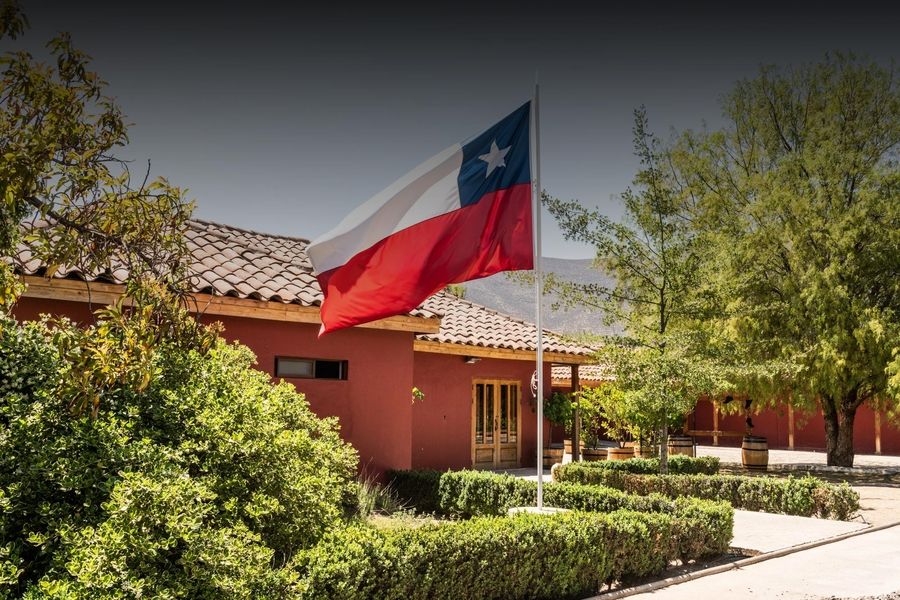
[489, 409]
[479, 413]
[504, 414]
[513, 413]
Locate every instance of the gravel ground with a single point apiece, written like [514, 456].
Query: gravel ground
[894, 596]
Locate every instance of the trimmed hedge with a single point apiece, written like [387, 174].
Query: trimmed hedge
[805, 496]
[678, 465]
[417, 489]
[701, 527]
[525, 556]
[481, 493]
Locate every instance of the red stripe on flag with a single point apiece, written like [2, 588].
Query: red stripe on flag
[398, 273]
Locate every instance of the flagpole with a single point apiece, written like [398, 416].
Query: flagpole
[538, 285]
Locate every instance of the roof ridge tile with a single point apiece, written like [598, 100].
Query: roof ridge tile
[194, 220]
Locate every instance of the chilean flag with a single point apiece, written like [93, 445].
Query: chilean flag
[461, 215]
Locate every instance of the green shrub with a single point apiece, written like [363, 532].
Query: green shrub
[805, 496]
[480, 493]
[162, 539]
[678, 465]
[374, 498]
[193, 487]
[706, 526]
[417, 489]
[702, 527]
[526, 556]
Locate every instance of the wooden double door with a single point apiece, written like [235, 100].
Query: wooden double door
[496, 424]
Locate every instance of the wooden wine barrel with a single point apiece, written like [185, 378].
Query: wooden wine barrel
[755, 453]
[619, 453]
[645, 451]
[552, 456]
[567, 444]
[681, 444]
[593, 454]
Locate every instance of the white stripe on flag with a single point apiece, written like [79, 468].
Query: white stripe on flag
[428, 191]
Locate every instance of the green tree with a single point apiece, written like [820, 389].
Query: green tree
[796, 197]
[59, 132]
[656, 291]
[72, 200]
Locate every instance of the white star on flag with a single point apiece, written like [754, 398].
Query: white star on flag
[495, 158]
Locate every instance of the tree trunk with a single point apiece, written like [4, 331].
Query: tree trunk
[664, 450]
[839, 416]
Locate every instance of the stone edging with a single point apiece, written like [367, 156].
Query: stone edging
[861, 470]
[737, 564]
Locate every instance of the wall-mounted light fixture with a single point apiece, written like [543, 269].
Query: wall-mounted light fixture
[470, 360]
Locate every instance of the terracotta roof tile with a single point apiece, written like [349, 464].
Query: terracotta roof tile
[465, 322]
[247, 264]
[586, 373]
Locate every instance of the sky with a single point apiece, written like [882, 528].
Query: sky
[283, 117]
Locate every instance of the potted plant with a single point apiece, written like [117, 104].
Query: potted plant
[557, 410]
[604, 407]
[640, 426]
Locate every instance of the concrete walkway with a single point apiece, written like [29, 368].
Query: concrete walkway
[879, 504]
[864, 565]
[762, 532]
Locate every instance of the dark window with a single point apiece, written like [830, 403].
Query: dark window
[310, 368]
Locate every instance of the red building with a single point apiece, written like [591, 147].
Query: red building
[783, 427]
[474, 365]
[787, 428]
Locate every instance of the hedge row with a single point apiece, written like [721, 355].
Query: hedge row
[526, 556]
[806, 496]
[480, 493]
[701, 527]
[678, 465]
[418, 489]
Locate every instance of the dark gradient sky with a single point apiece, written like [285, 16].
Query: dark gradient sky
[282, 118]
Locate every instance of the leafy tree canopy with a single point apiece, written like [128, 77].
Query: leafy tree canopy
[796, 199]
[59, 136]
[656, 294]
[67, 194]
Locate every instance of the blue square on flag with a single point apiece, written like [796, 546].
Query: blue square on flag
[496, 159]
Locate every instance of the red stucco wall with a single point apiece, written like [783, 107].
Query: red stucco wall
[809, 429]
[377, 416]
[30, 309]
[373, 404]
[890, 437]
[442, 422]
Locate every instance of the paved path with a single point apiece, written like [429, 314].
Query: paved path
[764, 532]
[864, 565]
[879, 504]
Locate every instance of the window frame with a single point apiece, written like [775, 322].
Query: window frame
[343, 367]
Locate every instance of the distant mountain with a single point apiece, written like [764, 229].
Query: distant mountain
[516, 299]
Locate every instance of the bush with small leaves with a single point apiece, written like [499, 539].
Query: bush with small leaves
[702, 527]
[199, 485]
[525, 556]
[803, 496]
[418, 489]
[678, 465]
